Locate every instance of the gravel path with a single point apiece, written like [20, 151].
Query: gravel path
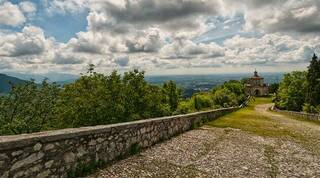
[226, 152]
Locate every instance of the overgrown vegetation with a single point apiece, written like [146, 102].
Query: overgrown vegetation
[97, 99]
[300, 91]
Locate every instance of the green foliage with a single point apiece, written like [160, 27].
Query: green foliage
[273, 88]
[225, 98]
[229, 94]
[28, 108]
[291, 93]
[202, 101]
[135, 148]
[313, 82]
[91, 100]
[307, 107]
[84, 169]
[98, 99]
[300, 91]
[185, 107]
[173, 95]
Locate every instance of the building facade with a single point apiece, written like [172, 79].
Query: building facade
[255, 86]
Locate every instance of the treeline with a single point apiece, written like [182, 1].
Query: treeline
[300, 90]
[229, 94]
[96, 99]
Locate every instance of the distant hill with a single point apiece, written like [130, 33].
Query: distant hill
[5, 87]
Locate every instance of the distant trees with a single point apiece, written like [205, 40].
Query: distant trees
[231, 93]
[301, 90]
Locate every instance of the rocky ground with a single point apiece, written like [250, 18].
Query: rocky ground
[228, 152]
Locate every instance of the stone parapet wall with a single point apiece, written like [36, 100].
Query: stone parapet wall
[57, 153]
[308, 116]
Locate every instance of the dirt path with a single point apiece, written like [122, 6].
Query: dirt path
[227, 152]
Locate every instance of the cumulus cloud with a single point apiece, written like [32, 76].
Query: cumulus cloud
[155, 11]
[269, 49]
[145, 41]
[162, 34]
[31, 41]
[11, 15]
[274, 16]
[184, 48]
[67, 58]
[170, 15]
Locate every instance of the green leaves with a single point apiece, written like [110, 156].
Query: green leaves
[28, 108]
[301, 90]
[98, 99]
[291, 93]
[227, 95]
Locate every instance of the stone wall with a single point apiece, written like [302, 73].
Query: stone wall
[57, 153]
[308, 116]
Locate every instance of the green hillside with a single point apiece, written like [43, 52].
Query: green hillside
[5, 80]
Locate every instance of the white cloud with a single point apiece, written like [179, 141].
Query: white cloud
[160, 34]
[269, 50]
[184, 48]
[11, 15]
[28, 7]
[122, 61]
[66, 6]
[31, 41]
[274, 16]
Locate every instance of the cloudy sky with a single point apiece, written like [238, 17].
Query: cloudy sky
[158, 36]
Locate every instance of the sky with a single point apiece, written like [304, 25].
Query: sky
[161, 37]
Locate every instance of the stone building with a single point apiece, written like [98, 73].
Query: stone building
[255, 86]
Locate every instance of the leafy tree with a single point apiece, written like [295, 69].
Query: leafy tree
[202, 101]
[291, 93]
[273, 88]
[28, 108]
[91, 100]
[185, 107]
[313, 82]
[135, 90]
[172, 94]
[224, 98]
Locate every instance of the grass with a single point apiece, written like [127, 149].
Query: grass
[247, 119]
[298, 118]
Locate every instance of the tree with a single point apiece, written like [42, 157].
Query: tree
[91, 100]
[313, 82]
[172, 94]
[28, 108]
[292, 91]
[273, 88]
[224, 98]
[202, 101]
